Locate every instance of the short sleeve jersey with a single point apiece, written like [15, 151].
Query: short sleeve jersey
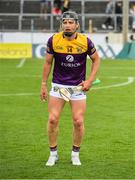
[69, 58]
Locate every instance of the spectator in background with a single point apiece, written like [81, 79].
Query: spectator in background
[66, 5]
[132, 12]
[43, 8]
[56, 10]
[113, 7]
[118, 11]
[110, 9]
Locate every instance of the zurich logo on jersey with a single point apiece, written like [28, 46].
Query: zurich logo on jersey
[70, 58]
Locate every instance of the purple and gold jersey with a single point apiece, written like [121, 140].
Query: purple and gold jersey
[69, 58]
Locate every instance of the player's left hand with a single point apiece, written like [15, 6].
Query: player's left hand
[86, 85]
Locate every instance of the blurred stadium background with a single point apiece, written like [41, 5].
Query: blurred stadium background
[21, 21]
[108, 150]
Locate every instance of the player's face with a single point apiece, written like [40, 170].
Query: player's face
[69, 27]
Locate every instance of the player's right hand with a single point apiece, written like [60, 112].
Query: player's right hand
[43, 93]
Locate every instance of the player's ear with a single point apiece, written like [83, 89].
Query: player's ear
[78, 26]
[61, 28]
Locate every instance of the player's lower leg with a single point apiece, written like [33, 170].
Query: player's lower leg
[52, 136]
[77, 139]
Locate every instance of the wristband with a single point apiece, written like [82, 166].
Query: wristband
[43, 83]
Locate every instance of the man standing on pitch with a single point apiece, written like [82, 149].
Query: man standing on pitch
[68, 49]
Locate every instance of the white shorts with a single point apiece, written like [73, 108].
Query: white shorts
[79, 95]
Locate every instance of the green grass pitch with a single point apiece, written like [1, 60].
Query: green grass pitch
[108, 149]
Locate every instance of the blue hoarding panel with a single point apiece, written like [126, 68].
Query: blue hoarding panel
[38, 50]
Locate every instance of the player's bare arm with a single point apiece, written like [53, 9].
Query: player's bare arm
[94, 69]
[46, 71]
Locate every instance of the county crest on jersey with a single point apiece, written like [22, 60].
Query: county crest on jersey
[69, 58]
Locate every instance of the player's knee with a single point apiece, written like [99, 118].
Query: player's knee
[78, 122]
[53, 119]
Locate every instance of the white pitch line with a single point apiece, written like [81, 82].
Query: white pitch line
[20, 76]
[39, 76]
[130, 80]
[20, 94]
[119, 68]
[116, 77]
[21, 63]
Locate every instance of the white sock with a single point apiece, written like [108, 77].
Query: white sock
[75, 153]
[53, 153]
